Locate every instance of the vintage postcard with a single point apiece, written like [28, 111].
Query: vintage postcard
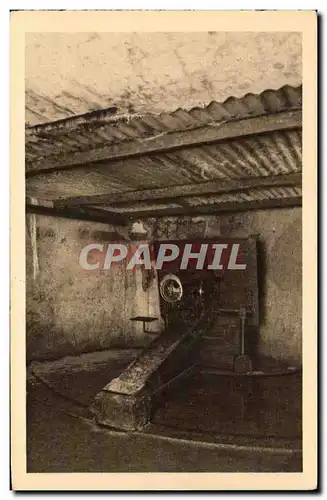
[163, 240]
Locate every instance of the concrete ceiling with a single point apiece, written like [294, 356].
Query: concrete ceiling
[74, 73]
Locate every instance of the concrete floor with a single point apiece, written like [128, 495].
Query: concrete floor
[259, 408]
[58, 442]
[62, 438]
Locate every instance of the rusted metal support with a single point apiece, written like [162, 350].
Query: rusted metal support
[218, 208]
[83, 213]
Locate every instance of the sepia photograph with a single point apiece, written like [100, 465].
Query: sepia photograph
[163, 182]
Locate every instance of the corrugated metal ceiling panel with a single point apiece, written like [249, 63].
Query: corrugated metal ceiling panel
[260, 155]
[101, 128]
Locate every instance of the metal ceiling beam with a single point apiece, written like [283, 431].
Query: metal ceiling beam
[173, 193]
[215, 132]
[218, 208]
[83, 213]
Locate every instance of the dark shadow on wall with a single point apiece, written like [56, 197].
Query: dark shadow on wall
[262, 273]
[253, 337]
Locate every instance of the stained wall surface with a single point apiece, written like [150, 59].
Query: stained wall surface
[70, 310]
[74, 73]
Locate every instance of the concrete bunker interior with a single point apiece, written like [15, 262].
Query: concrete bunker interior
[209, 352]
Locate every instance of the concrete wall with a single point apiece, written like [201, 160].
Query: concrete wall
[280, 277]
[72, 311]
